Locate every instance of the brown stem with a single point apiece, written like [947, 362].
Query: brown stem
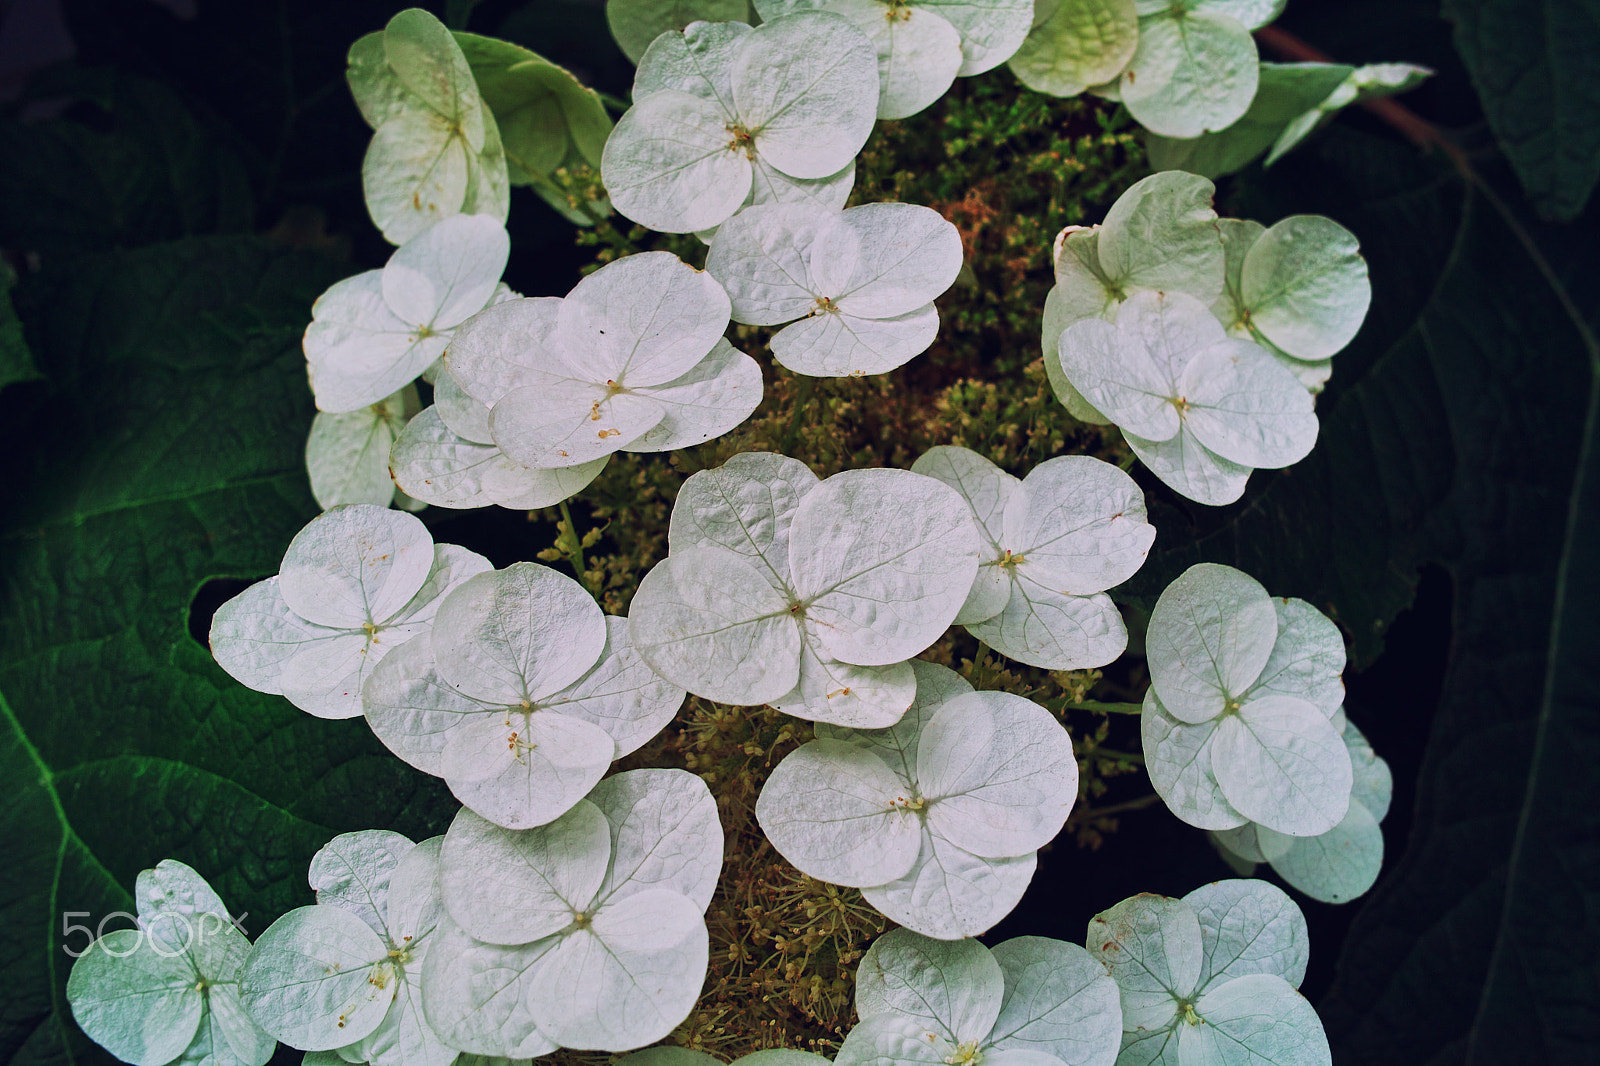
[1084, 814]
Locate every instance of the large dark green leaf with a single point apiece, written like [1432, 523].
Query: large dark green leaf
[168, 455]
[16, 361]
[1533, 66]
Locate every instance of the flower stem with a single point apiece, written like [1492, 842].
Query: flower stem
[1107, 708]
[575, 548]
[1084, 814]
[802, 400]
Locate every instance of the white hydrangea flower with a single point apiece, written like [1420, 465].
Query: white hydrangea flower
[1342, 863]
[355, 583]
[1195, 67]
[588, 932]
[436, 150]
[938, 818]
[345, 973]
[1237, 723]
[924, 45]
[633, 359]
[1200, 409]
[809, 595]
[168, 990]
[520, 697]
[635, 24]
[347, 454]
[375, 333]
[1210, 979]
[1075, 44]
[1052, 543]
[861, 282]
[793, 100]
[1031, 1001]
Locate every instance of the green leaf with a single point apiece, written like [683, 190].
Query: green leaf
[169, 455]
[16, 361]
[127, 164]
[1452, 432]
[1532, 65]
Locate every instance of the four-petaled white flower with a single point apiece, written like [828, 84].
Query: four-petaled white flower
[1237, 722]
[633, 359]
[1210, 979]
[345, 973]
[168, 990]
[356, 583]
[938, 818]
[588, 932]
[1053, 542]
[373, 334]
[1031, 1001]
[861, 282]
[520, 697]
[809, 595]
[723, 110]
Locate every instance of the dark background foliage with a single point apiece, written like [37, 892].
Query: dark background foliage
[174, 196]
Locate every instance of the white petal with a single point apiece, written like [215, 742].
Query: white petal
[432, 464]
[1247, 408]
[415, 905]
[425, 57]
[1211, 633]
[1305, 285]
[176, 904]
[448, 272]
[1081, 43]
[476, 995]
[505, 347]
[883, 559]
[1257, 1018]
[1307, 657]
[745, 505]
[998, 773]
[414, 173]
[523, 633]
[352, 872]
[832, 691]
[896, 744]
[1059, 1001]
[358, 350]
[1079, 523]
[520, 487]
[620, 693]
[1114, 372]
[918, 51]
[452, 564]
[808, 83]
[1162, 235]
[987, 489]
[355, 565]
[894, 1040]
[521, 771]
[1280, 763]
[991, 30]
[1054, 630]
[626, 980]
[950, 893]
[347, 455]
[1249, 927]
[717, 395]
[671, 164]
[909, 256]
[413, 710]
[697, 58]
[464, 416]
[1191, 469]
[1338, 865]
[312, 980]
[325, 677]
[708, 621]
[138, 1003]
[1374, 782]
[1192, 72]
[1178, 759]
[642, 320]
[565, 423]
[665, 834]
[954, 988]
[255, 633]
[508, 886]
[835, 812]
[405, 1038]
[1152, 947]
[836, 345]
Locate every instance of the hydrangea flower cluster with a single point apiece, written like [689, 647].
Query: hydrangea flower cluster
[1200, 337]
[168, 990]
[937, 818]
[1052, 543]
[1211, 978]
[1238, 723]
[356, 583]
[810, 595]
[1029, 1000]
